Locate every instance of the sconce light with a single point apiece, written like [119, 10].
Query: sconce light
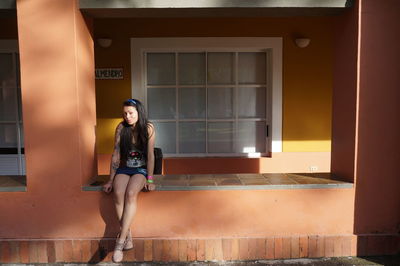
[104, 42]
[302, 42]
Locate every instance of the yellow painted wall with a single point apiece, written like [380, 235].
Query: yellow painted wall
[307, 73]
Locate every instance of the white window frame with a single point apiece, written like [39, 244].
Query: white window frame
[139, 46]
[8, 160]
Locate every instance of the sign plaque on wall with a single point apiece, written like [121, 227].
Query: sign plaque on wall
[109, 73]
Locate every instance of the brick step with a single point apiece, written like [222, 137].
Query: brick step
[170, 250]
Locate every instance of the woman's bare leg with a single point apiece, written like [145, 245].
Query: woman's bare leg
[135, 185]
[120, 184]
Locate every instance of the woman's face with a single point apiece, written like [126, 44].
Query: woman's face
[130, 115]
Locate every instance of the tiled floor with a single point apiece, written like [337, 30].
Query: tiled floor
[212, 182]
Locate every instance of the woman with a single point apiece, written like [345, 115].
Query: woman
[132, 167]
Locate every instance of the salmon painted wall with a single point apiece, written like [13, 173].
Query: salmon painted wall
[59, 117]
[307, 73]
[377, 151]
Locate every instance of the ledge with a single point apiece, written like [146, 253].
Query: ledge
[238, 182]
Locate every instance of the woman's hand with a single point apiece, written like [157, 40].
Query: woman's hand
[150, 186]
[107, 187]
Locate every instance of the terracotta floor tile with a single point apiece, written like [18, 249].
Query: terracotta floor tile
[42, 251]
[33, 252]
[235, 249]
[303, 247]
[312, 247]
[148, 250]
[201, 249]
[181, 183]
[174, 250]
[280, 180]
[51, 251]
[255, 181]
[337, 246]
[278, 248]
[157, 250]
[252, 248]
[14, 251]
[76, 250]
[24, 251]
[320, 246]
[270, 248]
[261, 248]
[138, 249]
[243, 249]
[5, 252]
[183, 250]
[205, 182]
[286, 247]
[228, 182]
[191, 249]
[227, 249]
[295, 247]
[67, 251]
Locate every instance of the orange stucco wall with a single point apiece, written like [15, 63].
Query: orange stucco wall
[307, 73]
[58, 106]
[183, 214]
[378, 134]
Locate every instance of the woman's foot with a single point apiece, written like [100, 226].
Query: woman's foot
[128, 242]
[118, 255]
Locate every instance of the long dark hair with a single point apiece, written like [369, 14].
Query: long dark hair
[139, 131]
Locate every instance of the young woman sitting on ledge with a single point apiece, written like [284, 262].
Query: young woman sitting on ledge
[132, 167]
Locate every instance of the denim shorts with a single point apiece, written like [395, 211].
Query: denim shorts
[131, 171]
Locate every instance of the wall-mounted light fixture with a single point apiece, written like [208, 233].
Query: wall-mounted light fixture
[104, 42]
[302, 42]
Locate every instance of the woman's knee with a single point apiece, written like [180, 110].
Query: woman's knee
[119, 194]
[131, 194]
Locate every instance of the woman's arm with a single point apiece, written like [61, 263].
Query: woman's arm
[150, 150]
[115, 159]
[150, 156]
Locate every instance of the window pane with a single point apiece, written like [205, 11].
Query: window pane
[160, 69]
[220, 137]
[192, 137]
[22, 135]
[192, 68]
[251, 136]
[161, 103]
[252, 68]
[192, 103]
[251, 102]
[220, 68]
[8, 136]
[220, 102]
[165, 136]
[8, 91]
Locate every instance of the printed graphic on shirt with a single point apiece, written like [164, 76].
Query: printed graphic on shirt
[136, 158]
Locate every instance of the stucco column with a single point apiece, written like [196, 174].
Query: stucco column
[377, 209]
[58, 94]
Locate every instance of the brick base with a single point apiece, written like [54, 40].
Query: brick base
[51, 251]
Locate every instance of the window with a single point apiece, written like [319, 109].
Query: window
[11, 129]
[206, 99]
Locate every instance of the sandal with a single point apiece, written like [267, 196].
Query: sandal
[128, 241]
[118, 254]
